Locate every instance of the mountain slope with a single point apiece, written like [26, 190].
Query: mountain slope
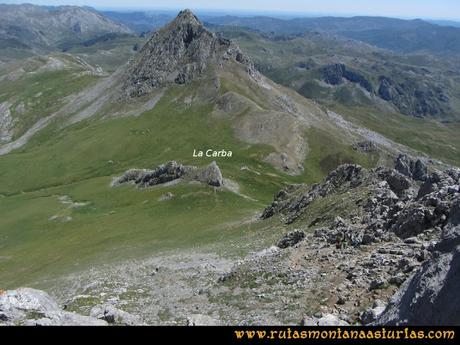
[339, 73]
[276, 137]
[40, 28]
[66, 229]
[140, 22]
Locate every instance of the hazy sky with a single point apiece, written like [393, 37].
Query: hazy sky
[436, 9]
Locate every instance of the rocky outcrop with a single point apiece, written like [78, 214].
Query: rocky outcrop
[440, 182]
[32, 307]
[431, 296]
[415, 169]
[394, 201]
[414, 98]
[171, 171]
[382, 181]
[372, 314]
[291, 239]
[365, 146]
[113, 315]
[411, 228]
[336, 73]
[178, 53]
[6, 123]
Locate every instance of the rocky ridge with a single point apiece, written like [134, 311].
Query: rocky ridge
[171, 171]
[400, 230]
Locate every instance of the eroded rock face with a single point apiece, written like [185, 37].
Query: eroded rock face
[415, 169]
[335, 74]
[178, 53]
[394, 202]
[431, 296]
[26, 306]
[414, 98]
[169, 172]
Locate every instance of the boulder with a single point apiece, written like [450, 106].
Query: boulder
[372, 314]
[211, 175]
[26, 306]
[114, 315]
[412, 221]
[330, 320]
[291, 239]
[415, 169]
[365, 146]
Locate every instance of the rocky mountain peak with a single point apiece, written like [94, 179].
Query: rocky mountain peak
[179, 52]
[186, 17]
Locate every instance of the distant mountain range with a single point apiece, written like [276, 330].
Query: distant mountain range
[444, 22]
[38, 27]
[399, 35]
[140, 21]
[42, 28]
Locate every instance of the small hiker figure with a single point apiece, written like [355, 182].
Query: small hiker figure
[338, 241]
[344, 241]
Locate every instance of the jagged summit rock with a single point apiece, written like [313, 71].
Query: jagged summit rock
[179, 52]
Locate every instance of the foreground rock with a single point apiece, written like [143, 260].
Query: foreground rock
[32, 307]
[390, 202]
[113, 315]
[324, 320]
[415, 169]
[169, 172]
[431, 296]
[371, 234]
[291, 239]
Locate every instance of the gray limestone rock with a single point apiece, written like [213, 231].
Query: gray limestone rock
[113, 315]
[180, 52]
[291, 239]
[430, 296]
[26, 306]
[171, 171]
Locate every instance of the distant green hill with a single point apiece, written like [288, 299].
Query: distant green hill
[405, 36]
